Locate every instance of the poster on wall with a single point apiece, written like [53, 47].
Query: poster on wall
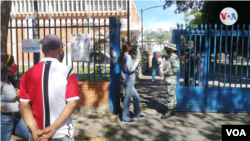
[31, 45]
[80, 44]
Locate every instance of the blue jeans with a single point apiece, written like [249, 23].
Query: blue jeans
[130, 91]
[153, 74]
[13, 124]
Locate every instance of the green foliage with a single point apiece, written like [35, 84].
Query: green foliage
[163, 51]
[148, 39]
[133, 52]
[186, 15]
[183, 6]
[161, 39]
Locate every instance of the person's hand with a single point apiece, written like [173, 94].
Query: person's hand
[17, 94]
[138, 57]
[2, 110]
[48, 132]
[37, 134]
[113, 53]
[161, 73]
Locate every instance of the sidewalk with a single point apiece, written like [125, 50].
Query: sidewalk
[185, 126]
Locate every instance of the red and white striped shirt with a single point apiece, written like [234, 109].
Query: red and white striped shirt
[48, 86]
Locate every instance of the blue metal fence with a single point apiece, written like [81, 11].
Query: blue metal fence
[95, 70]
[226, 88]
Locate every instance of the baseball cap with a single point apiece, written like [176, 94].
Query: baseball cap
[52, 41]
[170, 46]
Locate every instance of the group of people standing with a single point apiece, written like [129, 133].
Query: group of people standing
[48, 95]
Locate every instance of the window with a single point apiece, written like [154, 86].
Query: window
[18, 6]
[56, 6]
[110, 5]
[114, 5]
[83, 6]
[74, 4]
[44, 6]
[92, 6]
[96, 5]
[22, 6]
[119, 5]
[105, 6]
[100, 6]
[61, 6]
[69, 5]
[31, 6]
[65, 4]
[124, 5]
[52, 6]
[27, 7]
[40, 6]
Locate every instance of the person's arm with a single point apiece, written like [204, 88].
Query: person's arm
[130, 65]
[67, 111]
[72, 96]
[26, 112]
[175, 67]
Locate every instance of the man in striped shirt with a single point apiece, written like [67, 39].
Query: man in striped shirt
[48, 94]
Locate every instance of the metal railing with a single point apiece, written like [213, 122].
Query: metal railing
[97, 69]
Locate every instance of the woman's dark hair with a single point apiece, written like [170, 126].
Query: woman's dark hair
[125, 48]
[4, 69]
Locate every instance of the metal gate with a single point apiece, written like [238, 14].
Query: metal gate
[226, 85]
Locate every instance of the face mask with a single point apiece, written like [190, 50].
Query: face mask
[168, 52]
[61, 57]
[13, 69]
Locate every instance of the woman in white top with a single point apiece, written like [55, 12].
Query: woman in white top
[11, 121]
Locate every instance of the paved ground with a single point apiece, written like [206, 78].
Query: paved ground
[185, 126]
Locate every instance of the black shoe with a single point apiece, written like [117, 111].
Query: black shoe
[131, 121]
[140, 117]
[173, 112]
[168, 114]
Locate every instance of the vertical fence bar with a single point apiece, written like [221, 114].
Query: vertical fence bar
[195, 39]
[200, 56]
[11, 49]
[94, 45]
[55, 26]
[38, 22]
[77, 62]
[61, 32]
[184, 72]
[207, 55]
[236, 68]
[242, 52]
[231, 56]
[17, 52]
[22, 39]
[49, 27]
[189, 60]
[83, 62]
[248, 50]
[33, 38]
[225, 67]
[100, 70]
[66, 27]
[215, 61]
[27, 25]
[178, 46]
[71, 26]
[220, 54]
[89, 61]
[105, 47]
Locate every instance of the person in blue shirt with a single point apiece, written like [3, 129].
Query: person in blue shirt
[127, 68]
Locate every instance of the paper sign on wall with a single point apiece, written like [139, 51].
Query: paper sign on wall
[31, 45]
[80, 44]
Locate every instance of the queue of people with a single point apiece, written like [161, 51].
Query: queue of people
[48, 95]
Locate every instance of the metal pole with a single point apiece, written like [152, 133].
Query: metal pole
[128, 32]
[142, 27]
[36, 31]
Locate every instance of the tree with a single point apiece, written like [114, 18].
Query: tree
[186, 15]
[161, 39]
[148, 39]
[183, 6]
[5, 16]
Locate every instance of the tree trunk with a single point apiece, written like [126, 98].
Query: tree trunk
[5, 16]
[36, 32]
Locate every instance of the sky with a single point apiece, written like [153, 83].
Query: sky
[158, 18]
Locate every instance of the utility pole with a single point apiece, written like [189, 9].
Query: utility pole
[36, 30]
[142, 27]
[128, 20]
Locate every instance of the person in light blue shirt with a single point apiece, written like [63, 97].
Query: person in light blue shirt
[127, 68]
